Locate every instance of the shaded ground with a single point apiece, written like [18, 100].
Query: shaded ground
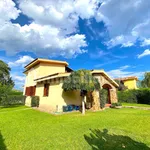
[99, 140]
[2, 145]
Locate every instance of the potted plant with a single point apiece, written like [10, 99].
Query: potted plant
[116, 105]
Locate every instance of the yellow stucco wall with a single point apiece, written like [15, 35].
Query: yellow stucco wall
[57, 97]
[131, 84]
[46, 69]
[41, 70]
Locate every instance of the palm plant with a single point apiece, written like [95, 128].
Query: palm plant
[81, 80]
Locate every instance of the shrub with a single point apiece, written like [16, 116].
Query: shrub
[115, 104]
[121, 87]
[35, 101]
[15, 92]
[141, 96]
[103, 94]
[13, 99]
[128, 96]
[4, 91]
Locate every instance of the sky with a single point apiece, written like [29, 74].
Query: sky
[113, 35]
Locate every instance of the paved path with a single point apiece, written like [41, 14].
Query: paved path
[143, 108]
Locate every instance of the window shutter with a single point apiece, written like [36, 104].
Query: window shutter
[46, 89]
[44, 94]
[34, 90]
[30, 91]
[26, 91]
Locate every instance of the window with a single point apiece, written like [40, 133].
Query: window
[30, 91]
[27, 91]
[46, 89]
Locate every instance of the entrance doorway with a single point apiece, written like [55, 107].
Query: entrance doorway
[107, 87]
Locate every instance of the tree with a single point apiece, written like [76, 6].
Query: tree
[5, 78]
[121, 87]
[4, 92]
[6, 83]
[81, 80]
[139, 84]
[146, 81]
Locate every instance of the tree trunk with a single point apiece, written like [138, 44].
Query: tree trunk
[83, 104]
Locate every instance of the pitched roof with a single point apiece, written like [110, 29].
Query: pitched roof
[106, 76]
[53, 76]
[127, 78]
[40, 60]
[66, 74]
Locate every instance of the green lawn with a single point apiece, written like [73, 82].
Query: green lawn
[134, 104]
[112, 129]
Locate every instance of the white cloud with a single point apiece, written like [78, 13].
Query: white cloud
[145, 53]
[127, 44]
[118, 40]
[106, 63]
[121, 72]
[42, 40]
[18, 78]
[19, 81]
[146, 42]
[22, 61]
[8, 10]
[60, 13]
[126, 21]
[124, 67]
[53, 30]
[119, 57]
[98, 54]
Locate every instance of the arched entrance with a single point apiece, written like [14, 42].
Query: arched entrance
[108, 87]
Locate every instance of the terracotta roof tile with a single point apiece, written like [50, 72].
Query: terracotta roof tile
[127, 78]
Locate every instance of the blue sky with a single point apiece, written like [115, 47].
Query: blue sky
[112, 35]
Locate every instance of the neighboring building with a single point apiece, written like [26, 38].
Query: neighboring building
[129, 82]
[44, 78]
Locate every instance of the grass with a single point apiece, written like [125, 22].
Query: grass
[11, 108]
[134, 104]
[117, 129]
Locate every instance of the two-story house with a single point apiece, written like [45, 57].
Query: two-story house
[44, 78]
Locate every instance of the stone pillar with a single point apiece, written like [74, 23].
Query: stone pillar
[96, 101]
[113, 96]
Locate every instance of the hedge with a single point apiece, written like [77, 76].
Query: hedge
[35, 101]
[141, 96]
[15, 92]
[12, 100]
